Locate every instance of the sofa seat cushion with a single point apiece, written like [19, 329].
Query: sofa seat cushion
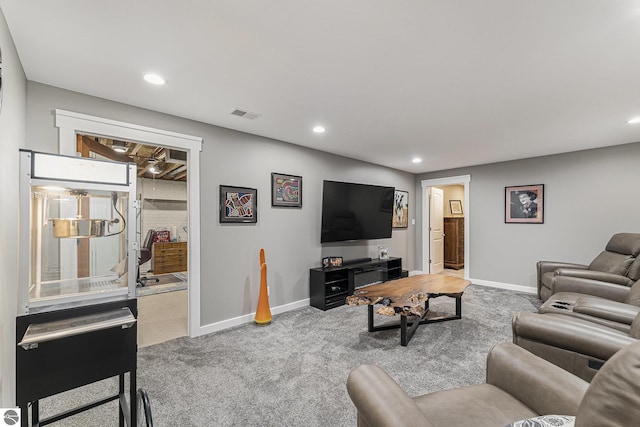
[611, 262]
[480, 406]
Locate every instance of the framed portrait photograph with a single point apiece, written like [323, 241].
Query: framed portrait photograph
[400, 209]
[326, 262]
[238, 204]
[524, 204]
[456, 207]
[286, 190]
[335, 261]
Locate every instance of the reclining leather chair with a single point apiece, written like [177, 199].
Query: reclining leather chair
[608, 312]
[576, 345]
[519, 385]
[617, 266]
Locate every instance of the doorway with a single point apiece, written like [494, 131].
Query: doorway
[445, 201]
[70, 124]
[161, 232]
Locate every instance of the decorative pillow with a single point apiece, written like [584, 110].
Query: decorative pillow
[545, 421]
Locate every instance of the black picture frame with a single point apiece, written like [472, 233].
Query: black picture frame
[326, 262]
[286, 190]
[524, 204]
[238, 204]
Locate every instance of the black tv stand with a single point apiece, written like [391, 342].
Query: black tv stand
[329, 287]
[355, 261]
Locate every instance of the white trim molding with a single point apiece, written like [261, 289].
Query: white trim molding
[508, 286]
[69, 124]
[452, 180]
[248, 318]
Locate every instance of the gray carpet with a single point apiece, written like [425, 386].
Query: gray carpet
[293, 371]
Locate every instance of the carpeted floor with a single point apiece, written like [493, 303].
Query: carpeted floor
[293, 371]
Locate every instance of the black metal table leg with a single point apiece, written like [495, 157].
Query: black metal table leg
[407, 329]
[403, 331]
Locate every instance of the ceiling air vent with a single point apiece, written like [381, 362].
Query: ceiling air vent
[175, 156]
[245, 114]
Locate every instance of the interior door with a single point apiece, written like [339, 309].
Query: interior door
[436, 230]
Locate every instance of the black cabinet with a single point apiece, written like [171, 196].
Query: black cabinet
[329, 287]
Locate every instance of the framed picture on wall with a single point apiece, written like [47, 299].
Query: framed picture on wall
[238, 204]
[524, 204]
[286, 190]
[456, 207]
[400, 209]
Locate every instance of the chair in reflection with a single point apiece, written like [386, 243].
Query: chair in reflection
[145, 256]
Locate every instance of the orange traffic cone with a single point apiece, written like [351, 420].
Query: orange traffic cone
[263, 313]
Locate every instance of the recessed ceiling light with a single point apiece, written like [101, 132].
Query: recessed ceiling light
[154, 79]
[634, 120]
[416, 160]
[319, 129]
[119, 146]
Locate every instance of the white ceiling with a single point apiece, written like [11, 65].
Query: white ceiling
[456, 82]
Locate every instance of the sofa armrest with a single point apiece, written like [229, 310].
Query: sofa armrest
[606, 309]
[595, 275]
[380, 401]
[547, 266]
[596, 288]
[541, 385]
[569, 333]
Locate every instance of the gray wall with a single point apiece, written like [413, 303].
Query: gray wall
[12, 137]
[589, 195]
[229, 254]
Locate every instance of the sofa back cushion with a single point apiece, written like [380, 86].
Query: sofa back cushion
[624, 243]
[612, 262]
[613, 397]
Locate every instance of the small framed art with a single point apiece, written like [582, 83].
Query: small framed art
[456, 207]
[524, 204]
[286, 190]
[400, 209]
[238, 204]
[335, 261]
[326, 262]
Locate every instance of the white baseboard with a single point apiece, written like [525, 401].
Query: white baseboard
[247, 318]
[509, 286]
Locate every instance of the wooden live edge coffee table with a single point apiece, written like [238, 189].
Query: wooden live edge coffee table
[405, 297]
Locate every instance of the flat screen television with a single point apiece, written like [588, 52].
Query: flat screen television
[355, 211]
